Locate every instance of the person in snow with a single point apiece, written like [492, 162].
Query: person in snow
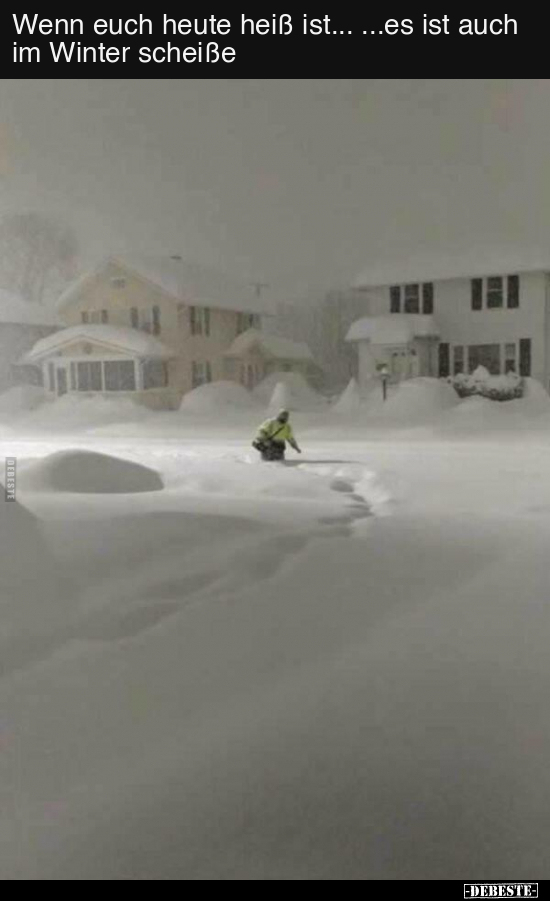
[273, 436]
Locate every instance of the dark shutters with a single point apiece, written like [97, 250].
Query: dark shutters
[444, 361]
[156, 321]
[477, 294]
[428, 299]
[513, 292]
[395, 299]
[525, 358]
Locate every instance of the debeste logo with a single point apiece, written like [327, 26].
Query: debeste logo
[501, 890]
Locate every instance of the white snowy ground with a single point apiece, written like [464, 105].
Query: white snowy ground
[335, 670]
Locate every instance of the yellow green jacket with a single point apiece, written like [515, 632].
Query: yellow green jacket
[280, 431]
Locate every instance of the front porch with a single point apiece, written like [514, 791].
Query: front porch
[405, 347]
[88, 363]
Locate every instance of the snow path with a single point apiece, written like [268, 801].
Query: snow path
[264, 684]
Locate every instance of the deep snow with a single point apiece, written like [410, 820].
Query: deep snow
[336, 669]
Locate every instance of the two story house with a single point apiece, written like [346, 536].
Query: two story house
[444, 327]
[149, 329]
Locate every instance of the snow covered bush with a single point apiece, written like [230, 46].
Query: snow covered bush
[494, 387]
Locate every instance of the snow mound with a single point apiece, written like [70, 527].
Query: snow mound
[535, 396]
[218, 396]
[74, 412]
[299, 394]
[480, 413]
[350, 402]
[86, 472]
[281, 398]
[415, 402]
[26, 564]
[21, 399]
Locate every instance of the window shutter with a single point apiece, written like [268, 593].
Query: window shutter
[156, 320]
[477, 294]
[428, 299]
[525, 358]
[513, 292]
[444, 361]
[395, 299]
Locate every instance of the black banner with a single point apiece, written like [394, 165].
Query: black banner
[374, 41]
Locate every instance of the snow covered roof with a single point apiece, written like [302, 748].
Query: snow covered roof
[190, 283]
[447, 268]
[14, 310]
[394, 329]
[271, 345]
[131, 341]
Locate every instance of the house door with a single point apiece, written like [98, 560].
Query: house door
[62, 387]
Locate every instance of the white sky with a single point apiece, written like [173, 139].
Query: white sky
[305, 184]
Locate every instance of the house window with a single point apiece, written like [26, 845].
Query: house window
[89, 377]
[412, 298]
[85, 317]
[458, 360]
[525, 358]
[477, 294]
[51, 376]
[118, 283]
[104, 317]
[495, 293]
[120, 375]
[155, 374]
[513, 292]
[134, 317]
[200, 321]
[198, 374]
[444, 361]
[428, 299]
[395, 299]
[487, 355]
[149, 321]
[202, 374]
[415, 297]
[74, 379]
[510, 358]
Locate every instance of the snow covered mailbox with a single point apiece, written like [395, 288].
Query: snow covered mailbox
[103, 359]
[406, 344]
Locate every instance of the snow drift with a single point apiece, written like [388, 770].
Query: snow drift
[350, 402]
[300, 396]
[76, 413]
[20, 400]
[218, 396]
[26, 565]
[412, 403]
[85, 472]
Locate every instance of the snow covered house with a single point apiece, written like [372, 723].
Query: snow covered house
[255, 355]
[448, 326]
[22, 324]
[145, 328]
